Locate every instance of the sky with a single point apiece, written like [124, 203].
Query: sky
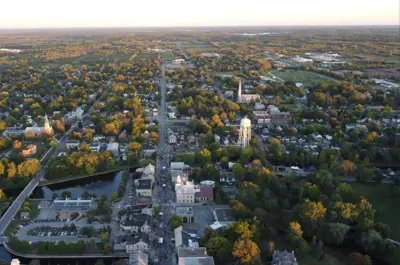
[185, 13]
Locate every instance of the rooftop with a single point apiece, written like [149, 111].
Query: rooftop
[192, 252]
[144, 184]
[184, 210]
[196, 261]
[223, 215]
[205, 191]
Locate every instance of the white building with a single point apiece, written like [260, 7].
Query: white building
[177, 166]
[244, 133]
[178, 61]
[172, 139]
[75, 114]
[72, 144]
[301, 60]
[113, 148]
[139, 243]
[185, 191]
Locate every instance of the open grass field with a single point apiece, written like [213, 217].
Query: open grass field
[198, 46]
[300, 76]
[391, 59]
[384, 204]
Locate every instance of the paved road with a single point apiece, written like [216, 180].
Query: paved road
[163, 196]
[17, 203]
[182, 51]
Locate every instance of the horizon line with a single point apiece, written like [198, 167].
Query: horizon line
[214, 26]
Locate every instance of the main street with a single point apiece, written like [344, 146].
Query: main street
[163, 196]
[17, 203]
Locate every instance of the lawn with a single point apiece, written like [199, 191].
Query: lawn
[384, 204]
[300, 76]
[377, 57]
[331, 257]
[199, 46]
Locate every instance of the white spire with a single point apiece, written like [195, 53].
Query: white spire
[240, 90]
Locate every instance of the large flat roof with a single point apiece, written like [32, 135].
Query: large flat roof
[192, 252]
[224, 215]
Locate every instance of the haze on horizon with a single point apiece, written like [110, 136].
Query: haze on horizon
[160, 13]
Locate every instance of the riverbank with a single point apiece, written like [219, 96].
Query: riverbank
[62, 256]
[72, 178]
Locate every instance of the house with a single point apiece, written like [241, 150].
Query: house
[204, 194]
[194, 256]
[25, 216]
[185, 213]
[191, 139]
[283, 258]
[75, 114]
[148, 149]
[72, 144]
[15, 262]
[184, 190]
[178, 61]
[143, 187]
[261, 117]
[172, 139]
[207, 181]
[280, 118]
[259, 106]
[137, 243]
[95, 147]
[113, 148]
[138, 258]
[29, 150]
[186, 236]
[217, 138]
[135, 223]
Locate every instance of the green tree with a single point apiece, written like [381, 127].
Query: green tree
[220, 248]
[338, 232]
[320, 250]
[175, 221]
[156, 210]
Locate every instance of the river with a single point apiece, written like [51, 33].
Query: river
[4, 255]
[99, 184]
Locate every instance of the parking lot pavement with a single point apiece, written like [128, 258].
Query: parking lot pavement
[22, 232]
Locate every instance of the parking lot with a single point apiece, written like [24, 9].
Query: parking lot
[55, 231]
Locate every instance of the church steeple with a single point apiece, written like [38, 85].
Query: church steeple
[47, 127]
[239, 99]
